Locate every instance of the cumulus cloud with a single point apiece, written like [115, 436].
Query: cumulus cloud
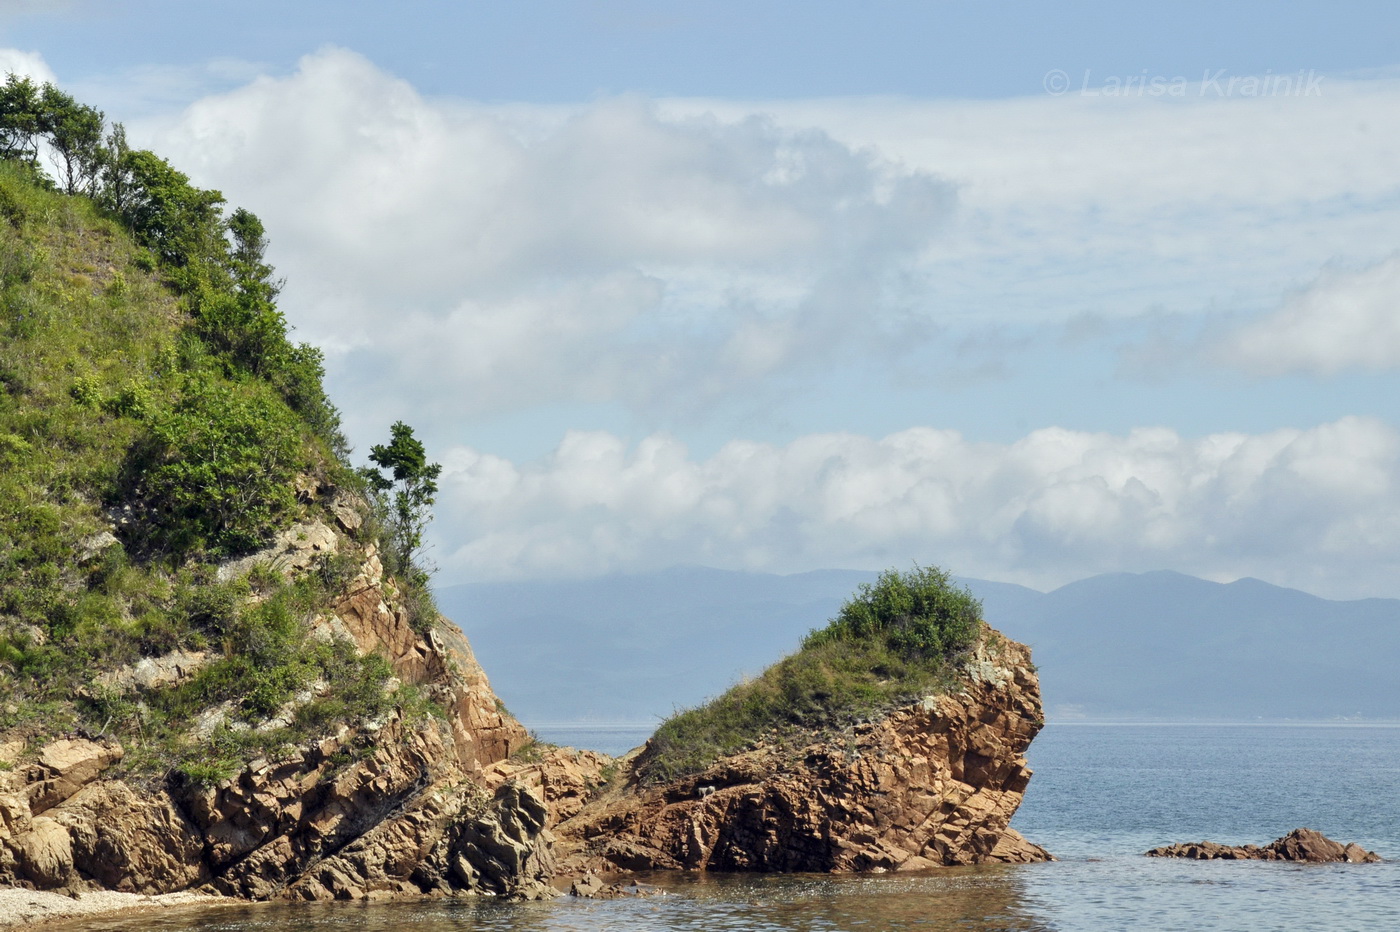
[1346, 320]
[476, 260]
[1317, 508]
[449, 250]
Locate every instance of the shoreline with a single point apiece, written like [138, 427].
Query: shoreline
[21, 908]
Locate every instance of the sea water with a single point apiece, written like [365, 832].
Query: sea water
[1101, 796]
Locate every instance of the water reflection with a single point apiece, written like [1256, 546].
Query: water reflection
[977, 899]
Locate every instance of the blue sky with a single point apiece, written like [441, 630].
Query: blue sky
[1031, 291]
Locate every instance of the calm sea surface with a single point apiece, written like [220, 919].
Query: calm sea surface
[1101, 796]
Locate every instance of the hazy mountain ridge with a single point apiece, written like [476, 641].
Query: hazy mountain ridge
[1152, 645]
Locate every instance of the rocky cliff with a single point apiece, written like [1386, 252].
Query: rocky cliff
[178, 712]
[439, 806]
[929, 784]
[391, 807]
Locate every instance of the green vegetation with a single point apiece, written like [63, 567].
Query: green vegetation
[402, 509]
[893, 641]
[156, 420]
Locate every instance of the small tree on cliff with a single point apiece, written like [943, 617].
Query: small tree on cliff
[413, 482]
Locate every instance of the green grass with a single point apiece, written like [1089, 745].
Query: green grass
[894, 641]
[116, 413]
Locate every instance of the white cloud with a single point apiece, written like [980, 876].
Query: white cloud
[30, 64]
[481, 260]
[1316, 508]
[1346, 320]
[1114, 205]
[492, 261]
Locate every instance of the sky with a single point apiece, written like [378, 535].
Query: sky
[1028, 291]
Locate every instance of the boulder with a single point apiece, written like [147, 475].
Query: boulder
[44, 854]
[1301, 844]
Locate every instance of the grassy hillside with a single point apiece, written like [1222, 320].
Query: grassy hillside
[156, 421]
[893, 641]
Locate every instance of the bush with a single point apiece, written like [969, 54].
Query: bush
[918, 614]
[217, 470]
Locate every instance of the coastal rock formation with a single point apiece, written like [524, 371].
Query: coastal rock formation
[392, 808]
[930, 784]
[1301, 844]
[566, 779]
[439, 806]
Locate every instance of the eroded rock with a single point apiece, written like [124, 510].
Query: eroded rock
[565, 778]
[155, 672]
[379, 810]
[294, 550]
[66, 766]
[931, 784]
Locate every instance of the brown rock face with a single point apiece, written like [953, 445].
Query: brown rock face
[436, 806]
[390, 809]
[1301, 844]
[565, 778]
[934, 783]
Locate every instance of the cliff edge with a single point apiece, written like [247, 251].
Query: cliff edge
[929, 783]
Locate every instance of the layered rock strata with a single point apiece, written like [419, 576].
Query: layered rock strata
[439, 806]
[1301, 844]
[388, 808]
[930, 784]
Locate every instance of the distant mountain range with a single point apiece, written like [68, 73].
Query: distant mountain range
[1120, 646]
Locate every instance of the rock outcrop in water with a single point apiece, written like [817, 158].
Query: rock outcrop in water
[296, 723]
[1301, 844]
[440, 807]
[396, 808]
[929, 784]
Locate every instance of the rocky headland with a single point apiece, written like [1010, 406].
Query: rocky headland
[450, 805]
[222, 673]
[929, 784]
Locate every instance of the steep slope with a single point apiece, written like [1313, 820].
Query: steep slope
[219, 667]
[391, 805]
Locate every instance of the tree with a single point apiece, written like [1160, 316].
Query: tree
[30, 114]
[21, 119]
[247, 261]
[414, 484]
[115, 182]
[74, 132]
[180, 223]
[239, 316]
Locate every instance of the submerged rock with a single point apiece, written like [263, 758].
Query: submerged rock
[1301, 844]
